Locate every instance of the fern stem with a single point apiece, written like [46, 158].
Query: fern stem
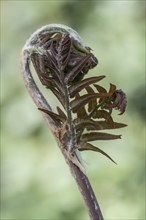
[70, 122]
[87, 192]
[40, 101]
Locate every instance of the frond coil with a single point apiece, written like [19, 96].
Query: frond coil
[61, 62]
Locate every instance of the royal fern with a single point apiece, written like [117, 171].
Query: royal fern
[61, 62]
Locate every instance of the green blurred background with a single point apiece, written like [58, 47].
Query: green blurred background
[35, 180]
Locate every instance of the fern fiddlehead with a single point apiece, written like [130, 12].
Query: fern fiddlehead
[61, 61]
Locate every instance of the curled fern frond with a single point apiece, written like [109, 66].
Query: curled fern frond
[61, 61]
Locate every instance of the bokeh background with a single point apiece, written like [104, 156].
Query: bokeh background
[35, 181]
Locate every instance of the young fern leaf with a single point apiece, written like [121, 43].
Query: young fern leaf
[87, 146]
[61, 62]
[93, 136]
[77, 87]
[90, 124]
[64, 51]
[84, 99]
[77, 69]
[57, 118]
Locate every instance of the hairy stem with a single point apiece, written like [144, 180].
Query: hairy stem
[81, 179]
